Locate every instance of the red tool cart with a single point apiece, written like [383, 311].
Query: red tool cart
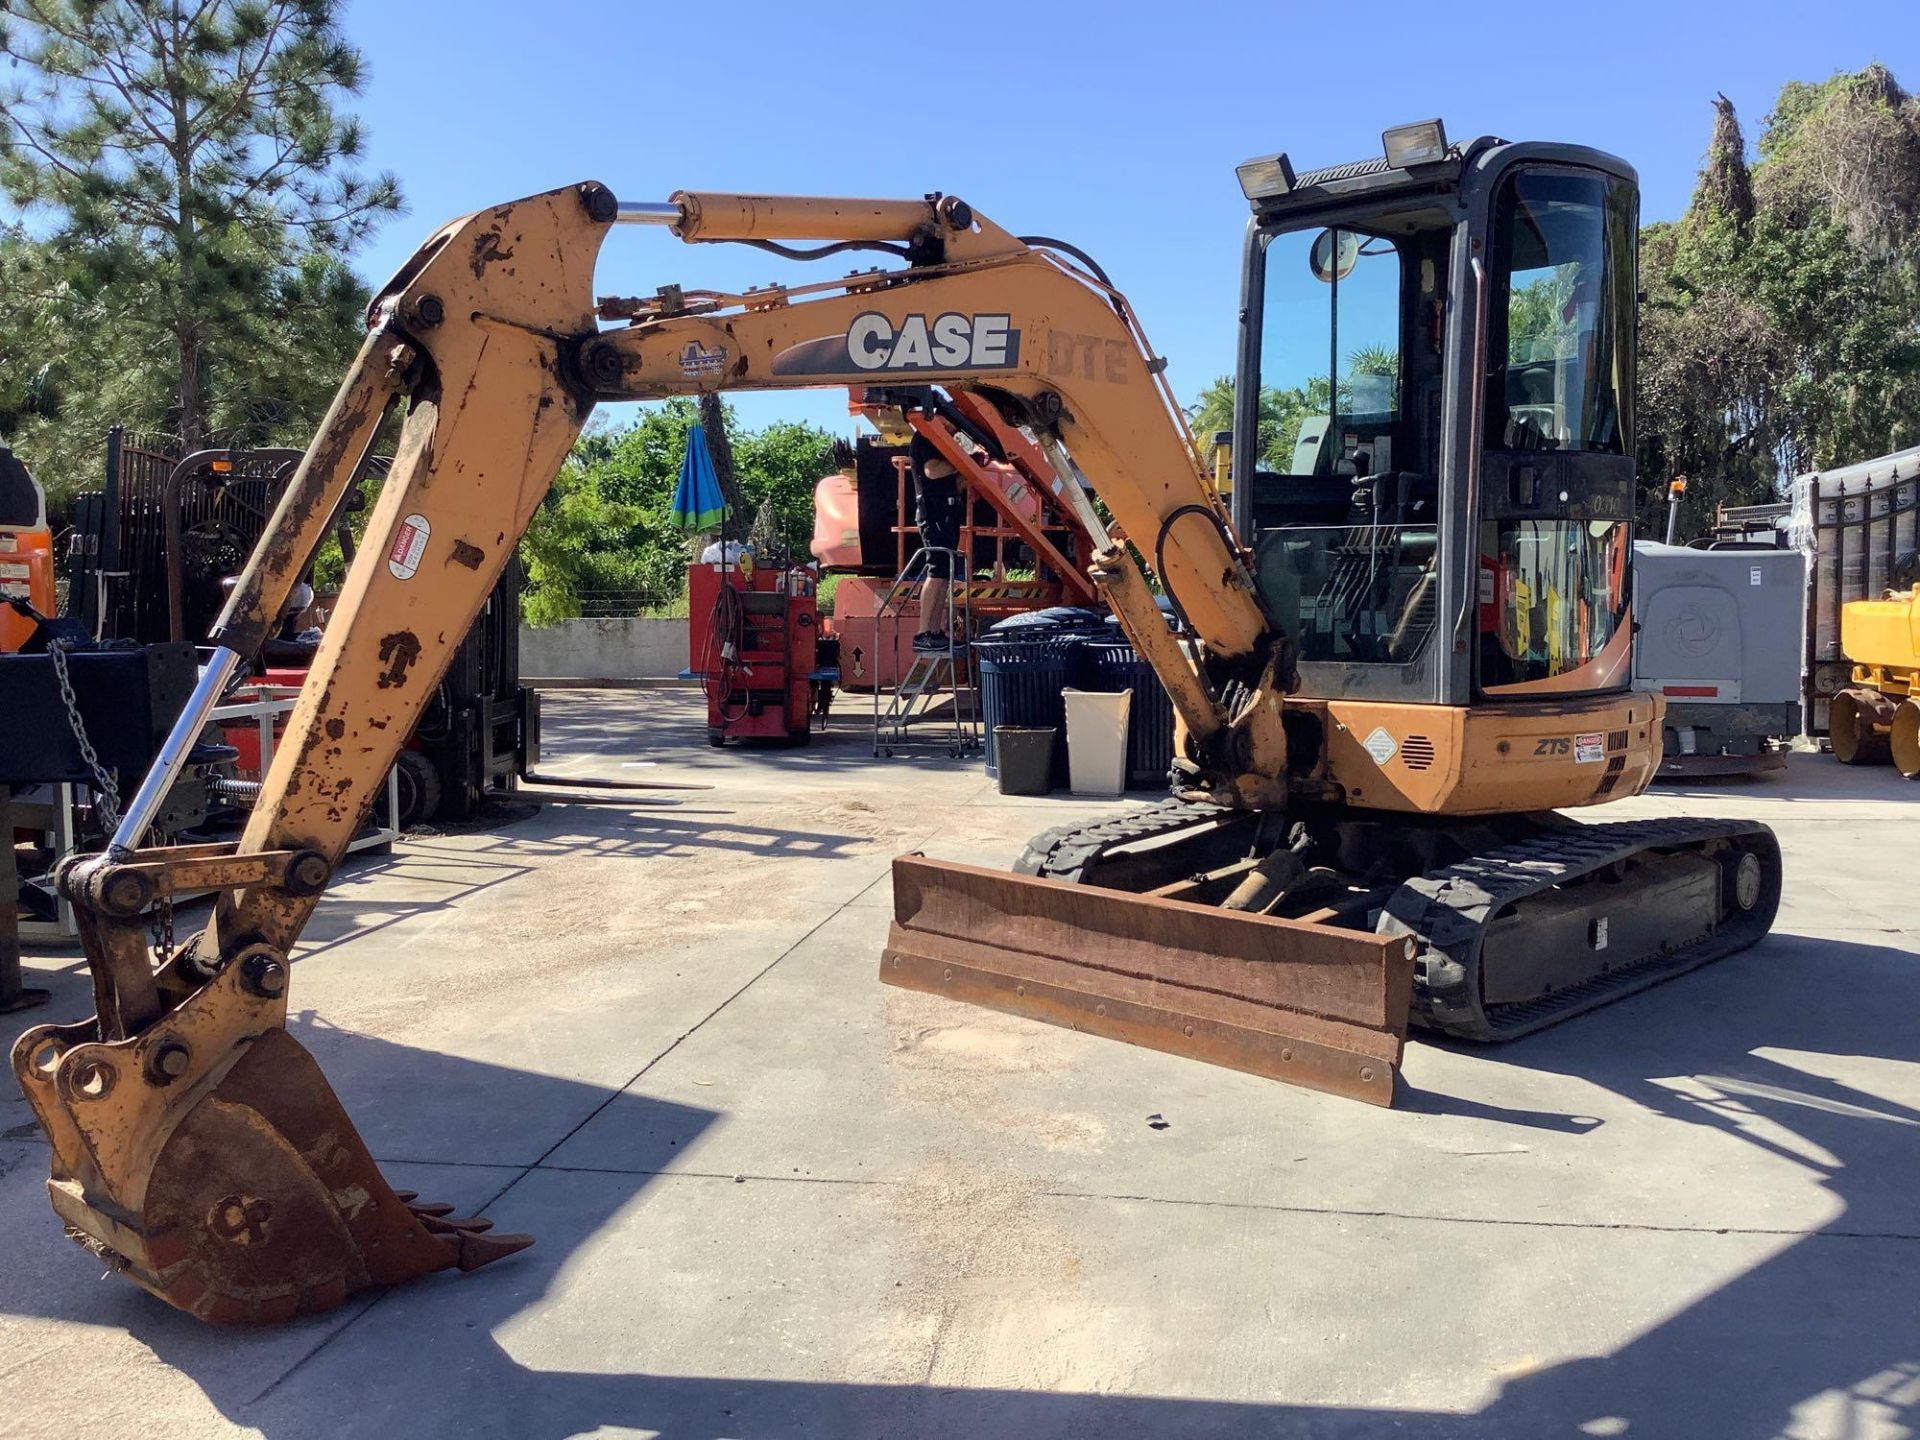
[751, 642]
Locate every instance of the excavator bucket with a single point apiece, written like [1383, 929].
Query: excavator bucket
[1310, 1004]
[248, 1199]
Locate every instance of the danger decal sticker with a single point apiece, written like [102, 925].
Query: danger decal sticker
[409, 544]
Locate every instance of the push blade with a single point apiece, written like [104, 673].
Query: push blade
[1309, 1004]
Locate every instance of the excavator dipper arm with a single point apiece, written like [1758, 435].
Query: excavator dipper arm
[195, 1144]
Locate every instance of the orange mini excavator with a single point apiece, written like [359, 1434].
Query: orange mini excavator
[1402, 651]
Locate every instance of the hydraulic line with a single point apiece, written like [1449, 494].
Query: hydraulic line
[726, 636]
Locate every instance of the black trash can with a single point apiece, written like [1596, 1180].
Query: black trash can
[1021, 676]
[1054, 619]
[1113, 665]
[1026, 759]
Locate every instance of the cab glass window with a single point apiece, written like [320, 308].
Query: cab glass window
[1345, 549]
[1562, 323]
[1554, 603]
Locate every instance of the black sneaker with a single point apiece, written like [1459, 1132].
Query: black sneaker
[932, 640]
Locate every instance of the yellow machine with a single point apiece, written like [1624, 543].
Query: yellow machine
[1420, 649]
[1877, 718]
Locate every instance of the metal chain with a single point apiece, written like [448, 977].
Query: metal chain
[109, 788]
[104, 781]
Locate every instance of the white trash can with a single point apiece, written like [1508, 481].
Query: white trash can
[1097, 741]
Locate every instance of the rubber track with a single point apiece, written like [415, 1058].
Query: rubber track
[1448, 910]
[1066, 853]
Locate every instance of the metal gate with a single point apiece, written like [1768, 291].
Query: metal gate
[1856, 523]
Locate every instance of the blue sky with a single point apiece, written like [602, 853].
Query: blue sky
[1115, 126]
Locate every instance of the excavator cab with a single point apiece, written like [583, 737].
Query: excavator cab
[1435, 394]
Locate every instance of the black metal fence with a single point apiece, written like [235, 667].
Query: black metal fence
[1857, 523]
[117, 554]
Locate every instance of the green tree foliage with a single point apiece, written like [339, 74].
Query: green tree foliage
[605, 533]
[36, 312]
[1374, 360]
[1782, 324]
[1283, 409]
[1536, 316]
[1725, 188]
[1845, 150]
[1212, 413]
[191, 187]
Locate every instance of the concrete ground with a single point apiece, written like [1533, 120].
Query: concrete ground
[775, 1198]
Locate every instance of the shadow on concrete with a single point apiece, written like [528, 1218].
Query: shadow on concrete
[442, 878]
[623, 835]
[1822, 1338]
[674, 737]
[1434, 1102]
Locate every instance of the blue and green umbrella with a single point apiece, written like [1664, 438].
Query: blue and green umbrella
[697, 501]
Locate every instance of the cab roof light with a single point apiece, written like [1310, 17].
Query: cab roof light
[1265, 176]
[1420, 143]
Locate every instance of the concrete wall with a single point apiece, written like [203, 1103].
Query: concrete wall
[618, 649]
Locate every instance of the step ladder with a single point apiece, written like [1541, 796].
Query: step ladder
[934, 705]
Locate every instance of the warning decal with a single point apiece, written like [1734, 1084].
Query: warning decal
[1590, 748]
[409, 544]
[1380, 746]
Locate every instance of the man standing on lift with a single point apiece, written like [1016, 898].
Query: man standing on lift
[937, 502]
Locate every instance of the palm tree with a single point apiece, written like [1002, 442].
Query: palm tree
[1374, 360]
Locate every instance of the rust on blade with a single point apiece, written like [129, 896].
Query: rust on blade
[1308, 1004]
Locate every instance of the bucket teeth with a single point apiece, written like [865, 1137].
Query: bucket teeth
[474, 1250]
[474, 1225]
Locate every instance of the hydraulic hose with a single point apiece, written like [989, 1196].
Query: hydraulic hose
[726, 635]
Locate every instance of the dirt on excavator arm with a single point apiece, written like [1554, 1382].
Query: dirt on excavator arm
[195, 1144]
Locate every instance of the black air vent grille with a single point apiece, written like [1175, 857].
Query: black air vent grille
[1417, 753]
[1351, 171]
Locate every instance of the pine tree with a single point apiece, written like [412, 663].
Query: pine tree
[190, 153]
